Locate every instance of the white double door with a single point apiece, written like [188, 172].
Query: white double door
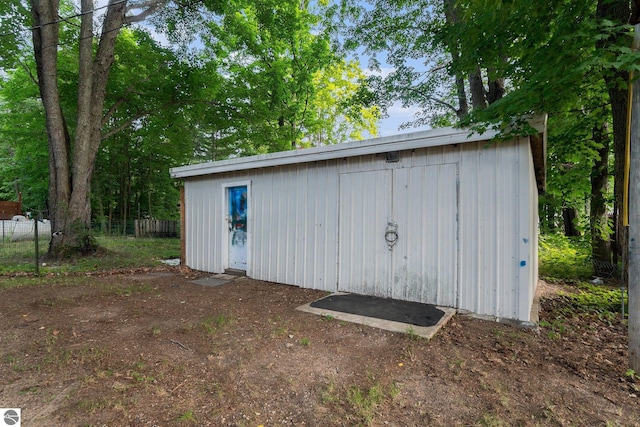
[420, 204]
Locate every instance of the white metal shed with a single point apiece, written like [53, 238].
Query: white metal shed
[464, 211]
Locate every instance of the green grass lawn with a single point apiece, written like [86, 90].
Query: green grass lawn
[115, 252]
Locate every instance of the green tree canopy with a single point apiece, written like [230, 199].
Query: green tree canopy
[265, 78]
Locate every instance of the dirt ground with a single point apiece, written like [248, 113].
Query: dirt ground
[150, 348]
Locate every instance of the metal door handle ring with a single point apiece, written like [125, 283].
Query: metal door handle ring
[391, 237]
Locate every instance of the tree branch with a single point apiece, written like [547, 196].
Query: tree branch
[434, 99]
[135, 117]
[29, 72]
[119, 102]
[149, 6]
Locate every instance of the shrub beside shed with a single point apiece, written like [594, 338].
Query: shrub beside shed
[442, 216]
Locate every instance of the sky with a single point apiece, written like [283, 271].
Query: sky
[396, 117]
[396, 114]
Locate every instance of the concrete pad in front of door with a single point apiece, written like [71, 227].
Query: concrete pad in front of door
[215, 280]
[388, 325]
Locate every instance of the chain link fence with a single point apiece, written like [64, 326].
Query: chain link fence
[25, 239]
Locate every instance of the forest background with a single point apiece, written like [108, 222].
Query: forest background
[246, 77]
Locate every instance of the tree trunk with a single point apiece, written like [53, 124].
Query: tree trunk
[618, 99]
[570, 217]
[45, 42]
[451, 15]
[496, 88]
[478, 93]
[598, 218]
[71, 171]
[618, 12]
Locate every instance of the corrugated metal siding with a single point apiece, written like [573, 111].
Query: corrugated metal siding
[295, 231]
[364, 262]
[466, 218]
[426, 256]
[292, 230]
[495, 262]
[203, 241]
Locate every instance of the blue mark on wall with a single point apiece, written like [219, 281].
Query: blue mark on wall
[525, 240]
[523, 263]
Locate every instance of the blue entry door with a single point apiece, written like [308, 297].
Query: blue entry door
[238, 200]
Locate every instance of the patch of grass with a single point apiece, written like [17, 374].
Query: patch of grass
[127, 291]
[365, 400]
[556, 328]
[362, 401]
[305, 342]
[411, 334]
[457, 366]
[281, 326]
[329, 395]
[187, 417]
[19, 256]
[490, 420]
[141, 378]
[90, 406]
[564, 258]
[92, 355]
[215, 323]
[8, 282]
[14, 363]
[632, 375]
[34, 389]
[115, 252]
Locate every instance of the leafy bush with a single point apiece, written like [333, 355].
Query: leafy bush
[561, 257]
[598, 299]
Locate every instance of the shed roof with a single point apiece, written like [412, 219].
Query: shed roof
[407, 141]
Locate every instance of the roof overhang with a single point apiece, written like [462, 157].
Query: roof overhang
[538, 142]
